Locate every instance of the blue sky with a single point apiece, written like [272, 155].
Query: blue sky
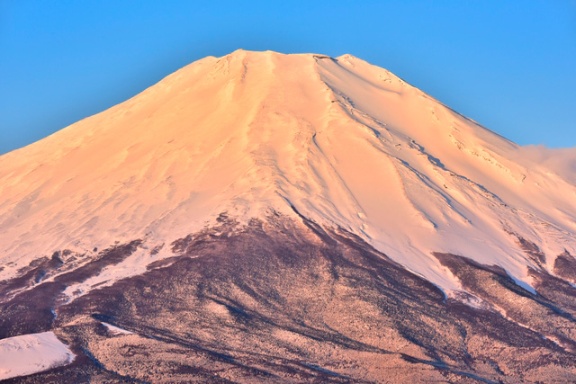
[509, 65]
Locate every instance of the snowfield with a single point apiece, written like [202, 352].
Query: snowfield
[28, 354]
[344, 143]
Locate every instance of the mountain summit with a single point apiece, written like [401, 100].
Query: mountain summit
[344, 143]
[236, 173]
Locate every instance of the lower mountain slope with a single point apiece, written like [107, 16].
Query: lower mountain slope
[282, 300]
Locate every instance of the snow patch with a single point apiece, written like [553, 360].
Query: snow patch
[116, 330]
[133, 265]
[28, 354]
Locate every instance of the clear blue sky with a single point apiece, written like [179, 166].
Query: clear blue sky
[510, 65]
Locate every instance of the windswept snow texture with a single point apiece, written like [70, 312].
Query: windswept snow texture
[345, 143]
[28, 354]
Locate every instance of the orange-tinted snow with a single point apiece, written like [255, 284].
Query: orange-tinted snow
[346, 143]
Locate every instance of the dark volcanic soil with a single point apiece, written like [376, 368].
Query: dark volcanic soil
[285, 301]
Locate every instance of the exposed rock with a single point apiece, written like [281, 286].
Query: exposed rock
[282, 301]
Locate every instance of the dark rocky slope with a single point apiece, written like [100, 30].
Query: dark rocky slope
[287, 301]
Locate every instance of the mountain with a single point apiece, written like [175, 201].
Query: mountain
[288, 218]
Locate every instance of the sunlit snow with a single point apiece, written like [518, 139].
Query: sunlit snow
[345, 143]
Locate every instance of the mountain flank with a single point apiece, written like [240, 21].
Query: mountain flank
[262, 217]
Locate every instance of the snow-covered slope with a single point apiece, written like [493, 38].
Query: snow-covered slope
[343, 143]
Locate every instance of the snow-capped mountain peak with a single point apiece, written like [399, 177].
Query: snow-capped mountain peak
[343, 143]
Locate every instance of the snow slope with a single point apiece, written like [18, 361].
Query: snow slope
[28, 354]
[343, 142]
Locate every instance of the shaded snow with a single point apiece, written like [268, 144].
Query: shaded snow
[28, 354]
